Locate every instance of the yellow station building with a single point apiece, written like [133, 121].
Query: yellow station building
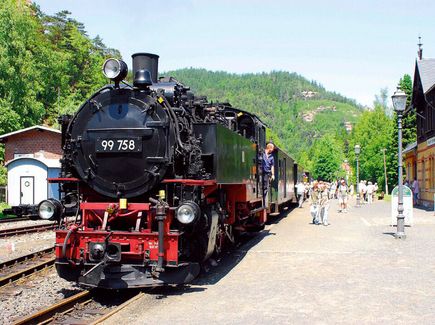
[420, 156]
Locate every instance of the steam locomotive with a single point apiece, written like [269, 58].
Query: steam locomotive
[159, 180]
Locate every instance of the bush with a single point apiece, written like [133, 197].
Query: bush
[3, 175]
[3, 205]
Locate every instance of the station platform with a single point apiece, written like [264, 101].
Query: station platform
[353, 272]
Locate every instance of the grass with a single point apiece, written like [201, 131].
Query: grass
[3, 205]
[387, 197]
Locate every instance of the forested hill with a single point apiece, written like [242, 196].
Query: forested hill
[49, 65]
[297, 110]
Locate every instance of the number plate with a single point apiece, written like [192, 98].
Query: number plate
[118, 145]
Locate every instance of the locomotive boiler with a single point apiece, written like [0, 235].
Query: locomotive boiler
[158, 179]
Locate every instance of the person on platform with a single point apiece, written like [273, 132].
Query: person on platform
[370, 190]
[323, 203]
[314, 200]
[363, 191]
[415, 190]
[268, 165]
[333, 190]
[300, 191]
[342, 193]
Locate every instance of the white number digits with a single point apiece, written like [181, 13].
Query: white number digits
[124, 144]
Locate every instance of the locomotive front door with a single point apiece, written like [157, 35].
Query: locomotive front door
[27, 193]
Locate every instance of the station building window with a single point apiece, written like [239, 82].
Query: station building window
[423, 176]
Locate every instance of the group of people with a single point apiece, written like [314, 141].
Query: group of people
[320, 193]
[319, 197]
[367, 191]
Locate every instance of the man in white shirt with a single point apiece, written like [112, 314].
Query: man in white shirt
[370, 189]
[300, 191]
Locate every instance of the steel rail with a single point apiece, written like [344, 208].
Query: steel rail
[68, 305]
[26, 230]
[13, 219]
[117, 309]
[64, 306]
[27, 257]
[27, 271]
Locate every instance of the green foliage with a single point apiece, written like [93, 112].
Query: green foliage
[277, 98]
[3, 206]
[328, 156]
[381, 100]
[48, 66]
[409, 134]
[274, 138]
[409, 120]
[21, 60]
[3, 175]
[373, 133]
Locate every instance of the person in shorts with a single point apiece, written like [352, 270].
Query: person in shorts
[315, 200]
[342, 193]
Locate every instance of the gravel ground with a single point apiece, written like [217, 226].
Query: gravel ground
[33, 294]
[16, 246]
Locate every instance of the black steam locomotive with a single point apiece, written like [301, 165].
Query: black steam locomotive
[159, 180]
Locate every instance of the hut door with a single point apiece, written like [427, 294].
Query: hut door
[27, 190]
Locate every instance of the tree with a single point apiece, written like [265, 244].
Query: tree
[3, 176]
[409, 120]
[327, 158]
[48, 65]
[373, 133]
[409, 133]
[381, 100]
[21, 60]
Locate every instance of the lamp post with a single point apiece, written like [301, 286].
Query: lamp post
[399, 104]
[357, 152]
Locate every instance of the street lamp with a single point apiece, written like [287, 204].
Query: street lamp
[357, 152]
[399, 104]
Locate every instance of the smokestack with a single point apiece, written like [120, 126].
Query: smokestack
[146, 61]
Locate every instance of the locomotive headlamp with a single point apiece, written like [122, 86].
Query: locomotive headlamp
[115, 69]
[188, 212]
[50, 209]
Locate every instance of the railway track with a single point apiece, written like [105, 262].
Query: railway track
[21, 267]
[26, 230]
[83, 307]
[13, 219]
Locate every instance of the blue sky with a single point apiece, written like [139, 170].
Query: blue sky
[352, 47]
